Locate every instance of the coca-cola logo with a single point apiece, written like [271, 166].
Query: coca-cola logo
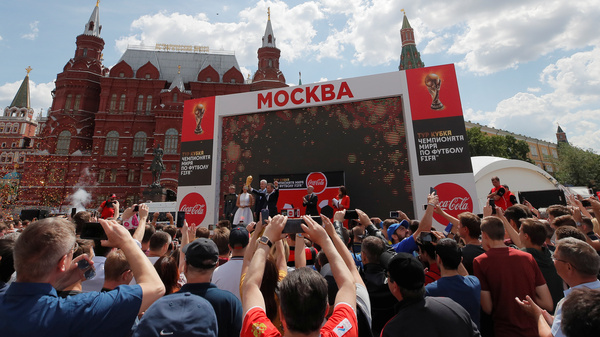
[194, 207]
[317, 180]
[454, 199]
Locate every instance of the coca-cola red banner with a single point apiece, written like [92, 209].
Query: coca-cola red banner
[454, 199]
[194, 206]
[293, 188]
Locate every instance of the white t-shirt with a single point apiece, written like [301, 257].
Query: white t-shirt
[227, 276]
[97, 282]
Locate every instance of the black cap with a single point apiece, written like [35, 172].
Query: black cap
[201, 253]
[407, 271]
[238, 236]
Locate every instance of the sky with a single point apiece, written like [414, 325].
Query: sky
[523, 66]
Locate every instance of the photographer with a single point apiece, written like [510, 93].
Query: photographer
[109, 208]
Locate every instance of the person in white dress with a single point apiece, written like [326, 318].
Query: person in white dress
[244, 203]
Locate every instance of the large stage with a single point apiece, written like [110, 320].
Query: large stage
[390, 137]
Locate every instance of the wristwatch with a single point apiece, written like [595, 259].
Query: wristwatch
[265, 241]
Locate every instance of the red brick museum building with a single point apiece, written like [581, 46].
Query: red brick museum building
[104, 123]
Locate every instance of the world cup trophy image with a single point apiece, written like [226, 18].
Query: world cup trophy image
[198, 114]
[433, 83]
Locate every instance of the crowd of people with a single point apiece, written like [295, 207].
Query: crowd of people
[516, 271]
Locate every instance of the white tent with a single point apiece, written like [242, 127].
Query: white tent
[520, 176]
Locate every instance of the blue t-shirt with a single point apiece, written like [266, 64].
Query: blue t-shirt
[407, 245]
[34, 309]
[464, 290]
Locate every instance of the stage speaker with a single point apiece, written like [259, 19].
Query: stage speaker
[543, 198]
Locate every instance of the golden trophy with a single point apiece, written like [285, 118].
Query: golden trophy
[248, 180]
[199, 113]
[433, 83]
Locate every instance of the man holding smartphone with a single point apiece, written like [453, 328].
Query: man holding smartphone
[44, 262]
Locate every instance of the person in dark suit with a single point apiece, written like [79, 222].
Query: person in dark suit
[272, 197]
[310, 201]
[260, 202]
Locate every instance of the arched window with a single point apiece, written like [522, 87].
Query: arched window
[63, 143]
[15, 128]
[22, 157]
[148, 104]
[68, 102]
[122, 103]
[112, 143]
[77, 103]
[139, 144]
[171, 139]
[174, 97]
[10, 157]
[113, 103]
[1, 127]
[140, 103]
[3, 157]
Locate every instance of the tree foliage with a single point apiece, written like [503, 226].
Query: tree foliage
[482, 144]
[576, 166]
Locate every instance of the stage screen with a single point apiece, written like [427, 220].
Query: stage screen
[366, 140]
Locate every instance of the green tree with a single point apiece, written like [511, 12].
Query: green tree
[576, 166]
[482, 144]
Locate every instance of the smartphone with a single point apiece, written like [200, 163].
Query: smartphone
[293, 225]
[586, 203]
[426, 237]
[264, 214]
[180, 219]
[351, 214]
[73, 212]
[432, 190]
[89, 273]
[493, 204]
[211, 227]
[93, 231]
[394, 214]
[136, 208]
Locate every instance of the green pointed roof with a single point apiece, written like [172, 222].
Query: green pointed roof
[405, 23]
[21, 99]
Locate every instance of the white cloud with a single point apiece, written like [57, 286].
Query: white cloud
[436, 45]
[573, 103]
[512, 34]
[243, 36]
[33, 31]
[534, 89]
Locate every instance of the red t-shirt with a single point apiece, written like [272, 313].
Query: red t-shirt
[107, 212]
[508, 273]
[341, 323]
[433, 273]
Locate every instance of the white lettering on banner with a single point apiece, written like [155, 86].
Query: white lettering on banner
[196, 209]
[456, 204]
[316, 182]
[327, 92]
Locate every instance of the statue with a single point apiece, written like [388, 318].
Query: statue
[157, 166]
